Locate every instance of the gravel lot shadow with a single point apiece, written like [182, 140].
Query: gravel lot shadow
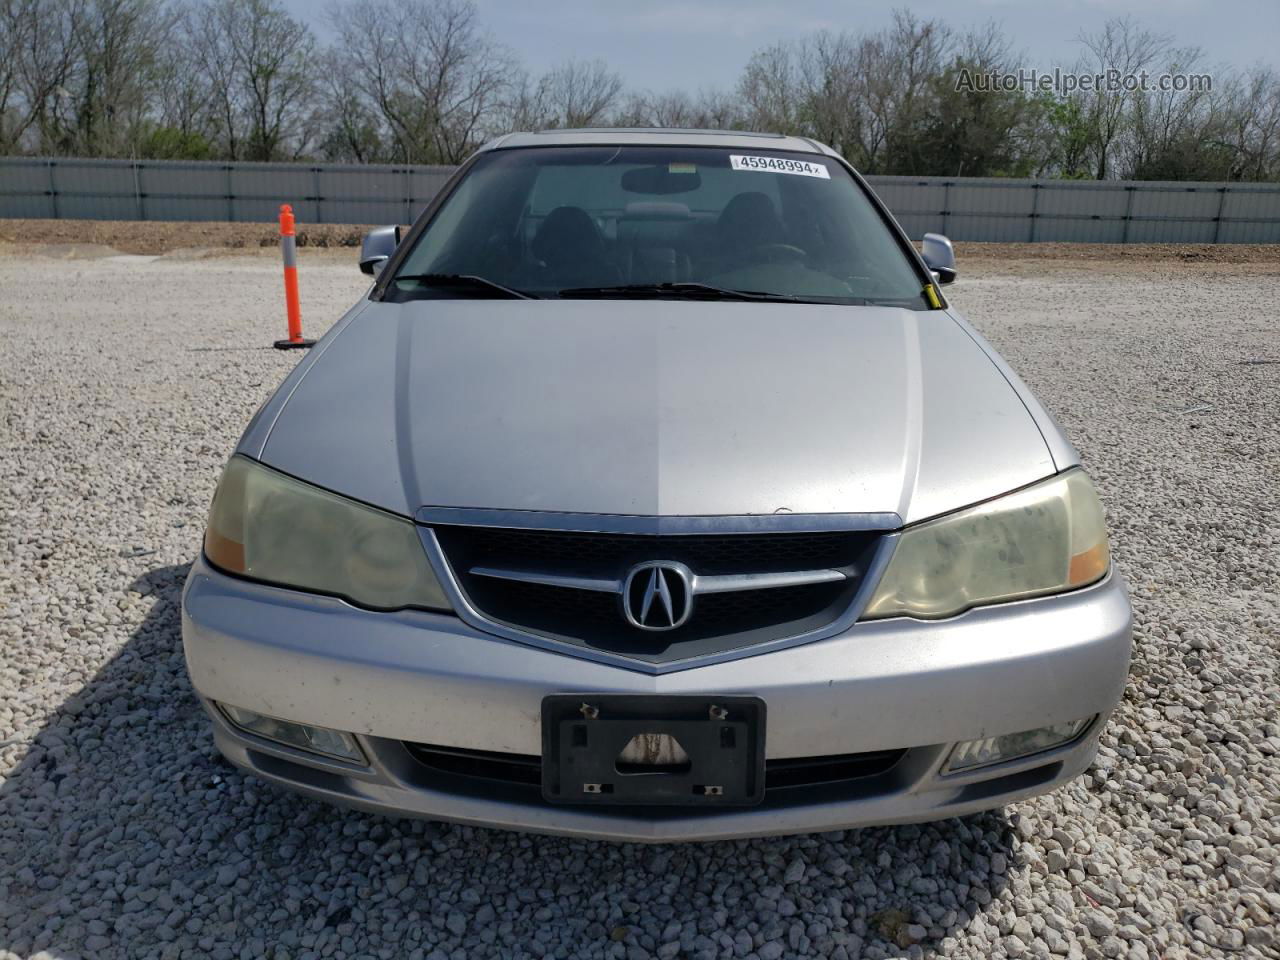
[123, 834]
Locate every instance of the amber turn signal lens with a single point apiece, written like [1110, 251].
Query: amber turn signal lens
[1090, 565]
[224, 552]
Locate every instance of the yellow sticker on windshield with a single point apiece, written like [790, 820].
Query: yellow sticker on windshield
[682, 168]
[802, 168]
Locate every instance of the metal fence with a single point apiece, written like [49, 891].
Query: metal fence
[76, 189]
[1079, 211]
[963, 208]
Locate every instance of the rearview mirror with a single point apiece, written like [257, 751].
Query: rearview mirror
[662, 180]
[939, 256]
[378, 246]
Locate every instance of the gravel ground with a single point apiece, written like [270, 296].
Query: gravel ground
[124, 383]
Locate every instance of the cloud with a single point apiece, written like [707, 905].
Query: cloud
[759, 22]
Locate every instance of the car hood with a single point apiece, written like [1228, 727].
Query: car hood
[654, 408]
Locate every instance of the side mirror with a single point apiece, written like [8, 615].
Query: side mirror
[939, 256]
[378, 246]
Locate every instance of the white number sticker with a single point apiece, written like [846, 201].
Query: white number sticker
[801, 168]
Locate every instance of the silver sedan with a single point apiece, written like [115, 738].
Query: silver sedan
[655, 492]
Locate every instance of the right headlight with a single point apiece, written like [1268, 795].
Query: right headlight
[1047, 538]
[267, 525]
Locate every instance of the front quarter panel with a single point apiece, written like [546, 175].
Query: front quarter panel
[1060, 448]
[254, 439]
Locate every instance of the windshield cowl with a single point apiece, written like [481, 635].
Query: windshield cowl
[675, 291]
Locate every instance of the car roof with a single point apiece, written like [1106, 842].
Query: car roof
[655, 136]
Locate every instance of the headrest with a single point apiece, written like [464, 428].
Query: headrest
[567, 228]
[656, 210]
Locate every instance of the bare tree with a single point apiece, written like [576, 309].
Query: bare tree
[275, 56]
[351, 129]
[1120, 49]
[581, 93]
[257, 61]
[833, 109]
[40, 49]
[433, 75]
[912, 53]
[772, 89]
[17, 18]
[717, 110]
[212, 60]
[119, 44]
[1251, 120]
[706, 110]
[876, 93]
[1175, 135]
[366, 49]
[869, 96]
[578, 93]
[184, 111]
[524, 105]
[673, 110]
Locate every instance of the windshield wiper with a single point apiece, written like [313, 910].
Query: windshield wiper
[691, 290]
[464, 281]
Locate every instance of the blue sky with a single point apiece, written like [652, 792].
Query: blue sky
[670, 44]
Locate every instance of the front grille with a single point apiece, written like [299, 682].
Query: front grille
[517, 769]
[595, 619]
[707, 554]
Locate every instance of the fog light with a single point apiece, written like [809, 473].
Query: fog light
[969, 754]
[331, 743]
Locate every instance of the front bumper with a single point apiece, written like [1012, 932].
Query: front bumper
[418, 677]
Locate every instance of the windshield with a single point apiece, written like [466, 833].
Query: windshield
[659, 221]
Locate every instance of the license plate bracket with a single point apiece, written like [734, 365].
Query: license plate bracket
[584, 734]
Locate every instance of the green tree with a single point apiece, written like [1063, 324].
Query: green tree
[170, 143]
[1071, 137]
[971, 133]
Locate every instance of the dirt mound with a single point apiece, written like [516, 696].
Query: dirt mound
[1261, 253]
[129, 236]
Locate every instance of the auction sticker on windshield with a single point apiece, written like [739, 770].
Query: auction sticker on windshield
[801, 168]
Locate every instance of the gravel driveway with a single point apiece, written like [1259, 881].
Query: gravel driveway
[124, 383]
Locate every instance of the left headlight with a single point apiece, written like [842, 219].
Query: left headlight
[271, 527]
[1047, 538]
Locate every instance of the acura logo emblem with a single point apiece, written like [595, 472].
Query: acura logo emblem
[658, 595]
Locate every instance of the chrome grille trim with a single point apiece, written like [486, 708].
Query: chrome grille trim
[715, 583]
[550, 579]
[478, 621]
[728, 583]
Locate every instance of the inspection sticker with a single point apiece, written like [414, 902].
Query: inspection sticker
[803, 168]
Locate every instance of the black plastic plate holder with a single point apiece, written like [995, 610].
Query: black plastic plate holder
[583, 735]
